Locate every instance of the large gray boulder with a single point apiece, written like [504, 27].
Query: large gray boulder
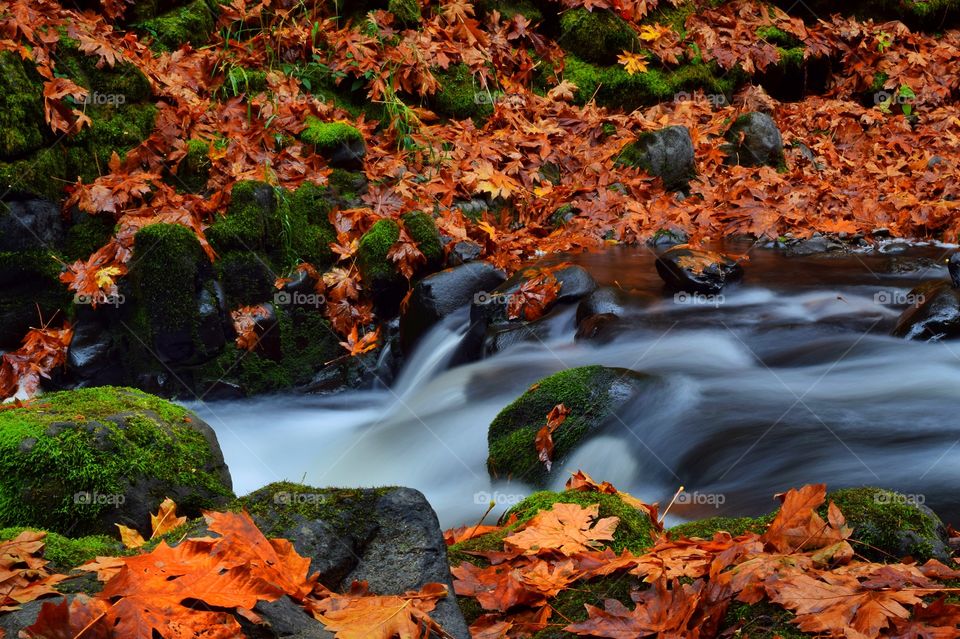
[667, 154]
[754, 140]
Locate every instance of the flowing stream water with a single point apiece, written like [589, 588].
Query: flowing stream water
[789, 378]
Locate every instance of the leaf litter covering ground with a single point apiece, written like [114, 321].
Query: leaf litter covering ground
[801, 562]
[849, 168]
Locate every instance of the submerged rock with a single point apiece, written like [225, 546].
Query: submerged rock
[696, 271]
[592, 394]
[80, 461]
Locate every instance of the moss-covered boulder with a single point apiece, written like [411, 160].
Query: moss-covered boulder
[341, 144]
[596, 36]
[389, 537]
[423, 231]
[592, 394]
[667, 153]
[890, 525]
[707, 528]
[379, 273]
[35, 160]
[179, 310]
[193, 22]
[76, 462]
[194, 169]
[86, 234]
[460, 95]
[754, 140]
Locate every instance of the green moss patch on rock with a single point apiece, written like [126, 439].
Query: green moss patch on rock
[379, 273]
[31, 291]
[193, 22]
[460, 95]
[591, 393]
[327, 136]
[78, 461]
[86, 235]
[596, 36]
[707, 528]
[65, 553]
[22, 128]
[194, 169]
[890, 525]
[423, 231]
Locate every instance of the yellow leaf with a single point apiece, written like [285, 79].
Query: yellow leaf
[166, 518]
[488, 229]
[632, 62]
[130, 537]
[105, 276]
[652, 32]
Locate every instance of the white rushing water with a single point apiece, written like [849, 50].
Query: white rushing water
[771, 390]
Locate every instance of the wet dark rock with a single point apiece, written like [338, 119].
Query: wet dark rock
[30, 223]
[669, 237]
[696, 271]
[606, 300]
[389, 537]
[575, 283]
[814, 245]
[283, 619]
[463, 252]
[95, 349]
[754, 140]
[667, 154]
[473, 208]
[347, 155]
[601, 328]
[934, 315]
[437, 296]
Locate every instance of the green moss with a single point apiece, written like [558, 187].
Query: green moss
[307, 343]
[194, 169]
[778, 37]
[568, 605]
[761, 621]
[87, 235]
[585, 391]
[509, 9]
[193, 22]
[406, 11]
[888, 525]
[596, 36]
[423, 231]
[707, 528]
[22, 128]
[95, 440]
[167, 259]
[327, 136]
[31, 292]
[285, 504]
[346, 184]
[241, 80]
[460, 96]
[247, 278]
[251, 222]
[310, 207]
[372, 251]
[123, 79]
[37, 174]
[65, 553]
[612, 86]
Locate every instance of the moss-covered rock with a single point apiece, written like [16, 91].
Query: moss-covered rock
[241, 80]
[591, 393]
[612, 86]
[80, 461]
[596, 36]
[340, 143]
[754, 140]
[307, 343]
[31, 292]
[890, 525]
[707, 528]
[406, 11]
[423, 231]
[194, 169]
[247, 278]
[86, 235]
[65, 553]
[193, 22]
[379, 273]
[460, 96]
[22, 128]
[310, 206]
